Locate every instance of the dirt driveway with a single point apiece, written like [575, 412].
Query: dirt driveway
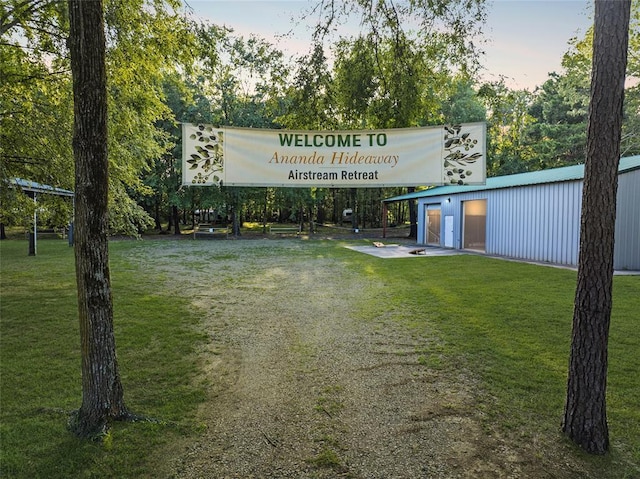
[309, 377]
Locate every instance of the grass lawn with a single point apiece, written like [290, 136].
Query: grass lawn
[508, 322]
[156, 337]
[511, 323]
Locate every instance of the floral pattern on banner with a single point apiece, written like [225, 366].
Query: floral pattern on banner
[458, 145]
[208, 156]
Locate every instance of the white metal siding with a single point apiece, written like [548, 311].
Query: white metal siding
[627, 232]
[542, 222]
[539, 222]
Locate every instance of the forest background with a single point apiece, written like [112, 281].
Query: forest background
[165, 67]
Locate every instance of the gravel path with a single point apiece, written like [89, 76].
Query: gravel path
[311, 377]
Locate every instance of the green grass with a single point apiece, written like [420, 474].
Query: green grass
[40, 365]
[509, 323]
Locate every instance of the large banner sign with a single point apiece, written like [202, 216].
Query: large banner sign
[454, 154]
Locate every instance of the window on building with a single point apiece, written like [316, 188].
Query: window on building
[475, 224]
[433, 225]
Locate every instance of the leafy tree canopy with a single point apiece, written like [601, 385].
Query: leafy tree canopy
[145, 40]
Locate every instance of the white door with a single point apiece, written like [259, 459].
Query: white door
[448, 231]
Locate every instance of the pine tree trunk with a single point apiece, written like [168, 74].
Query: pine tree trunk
[176, 220]
[354, 206]
[413, 216]
[585, 418]
[156, 214]
[102, 394]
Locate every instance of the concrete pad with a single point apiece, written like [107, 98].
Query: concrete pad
[404, 251]
[392, 250]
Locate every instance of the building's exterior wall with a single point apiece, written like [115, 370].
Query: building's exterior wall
[448, 208]
[542, 222]
[539, 222]
[627, 233]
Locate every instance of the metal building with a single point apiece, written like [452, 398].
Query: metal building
[531, 216]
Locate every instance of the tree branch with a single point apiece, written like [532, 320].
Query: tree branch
[24, 9]
[26, 78]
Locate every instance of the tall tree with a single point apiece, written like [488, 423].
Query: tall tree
[145, 39]
[35, 108]
[463, 104]
[309, 98]
[577, 65]
[404, 51]
[631, 126]
[585, 418]
[102, 392]
[508, 120]
[560, 110]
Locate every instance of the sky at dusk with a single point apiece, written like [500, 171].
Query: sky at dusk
[526, 38]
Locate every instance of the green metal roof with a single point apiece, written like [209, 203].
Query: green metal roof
[553, 175]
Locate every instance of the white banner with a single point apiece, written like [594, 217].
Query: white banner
[440, 155]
